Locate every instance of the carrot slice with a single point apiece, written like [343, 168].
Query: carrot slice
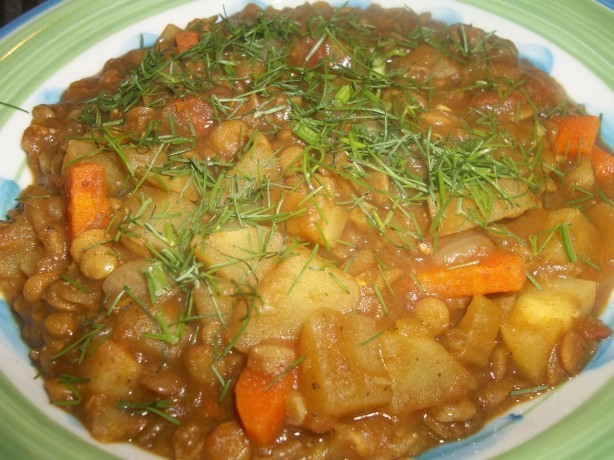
[603, 163]
[261, 404]
[193, 114]
[87, 202]
[577, 135]
[500, 271]
[186, 39]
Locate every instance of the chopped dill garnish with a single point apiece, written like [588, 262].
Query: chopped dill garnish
[162, 408]
[525, 391]
[74, 283]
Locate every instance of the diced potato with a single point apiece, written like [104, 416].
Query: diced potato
[422, 372]
[109, 423]
[518, 200]
[229, 138]
[541, 317]
[243, 254]
[582, 235]
[376, 188]
[181, 183]
[79, 150]
[112, 370]
[198, 360]
[320, 220]
[154, 216]
[287, 295]
[342, 372]
[256, 163]
[214, 303]
[473, 339]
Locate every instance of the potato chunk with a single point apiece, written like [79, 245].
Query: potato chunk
[473, 340]
[456, 216]
[319, 219]
[422, 372]
[582, 235]
[243, 254]
[112, 371]
[108, 422]
[287, 295]
[342, 372]
[258, 161]
[540, 318]
[154, 219]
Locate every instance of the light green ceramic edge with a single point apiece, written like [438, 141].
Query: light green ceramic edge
[26, 433]
[581, 27]
[586, 434]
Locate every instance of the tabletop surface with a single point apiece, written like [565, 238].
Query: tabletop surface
[11, 9]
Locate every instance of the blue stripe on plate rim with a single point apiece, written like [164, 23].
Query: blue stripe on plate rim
[26, 17]
[607, 3]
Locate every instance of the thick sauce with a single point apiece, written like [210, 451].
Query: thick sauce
[309, 233]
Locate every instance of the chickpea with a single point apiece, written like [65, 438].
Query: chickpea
[457, 411]
[37, 284]
[98, 262]
[228, 440]
[433, 313]
[59, 391]
[60, 324]
[574, 352]
[85, 241]
[115, 205]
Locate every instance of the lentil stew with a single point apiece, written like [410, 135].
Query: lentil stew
[317, 232]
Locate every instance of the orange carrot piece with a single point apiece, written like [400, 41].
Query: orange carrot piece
[262, 405]
[86, 191]
[603, 163]
[577, 135]
[186, 39]
[193, 113]
[501, 271]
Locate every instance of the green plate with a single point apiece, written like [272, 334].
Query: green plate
[64, 40]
